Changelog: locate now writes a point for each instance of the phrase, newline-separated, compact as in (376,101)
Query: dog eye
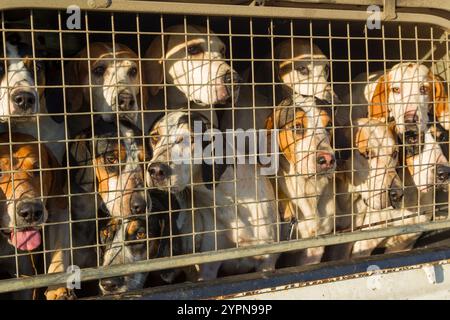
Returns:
(423,90)
(395,89)
(394,154)
(132,72)
(111,158)
(366,154)
(303,70)
(194,49)
(99,71)
(155,139)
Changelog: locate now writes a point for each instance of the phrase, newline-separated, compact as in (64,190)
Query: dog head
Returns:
(195,65)
(373,167)
(178,153)
(24,185)
(425,161)
(304,137)
(137,238)
(406,94)
(115,78)
(112,161)
(21,80)
(304,69)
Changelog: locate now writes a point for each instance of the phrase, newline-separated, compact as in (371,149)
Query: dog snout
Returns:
(31,211)
(23,100)
(325,160)
(442,174)
(111,284)
(138,204)
(396,196)
(232,77)
(125,101)
(159,171)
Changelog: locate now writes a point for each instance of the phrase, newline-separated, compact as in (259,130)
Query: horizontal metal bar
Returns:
(226,10)
(206,257)
(284,279)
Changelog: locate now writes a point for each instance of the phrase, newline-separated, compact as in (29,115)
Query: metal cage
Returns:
(235,39)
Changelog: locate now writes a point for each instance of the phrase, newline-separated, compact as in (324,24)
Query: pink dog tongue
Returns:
(26,240)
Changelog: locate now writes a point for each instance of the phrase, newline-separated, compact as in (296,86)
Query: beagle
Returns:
(222,203)
(407,93)
(34,196)
(136,238)
(115,79)
(190,63)
(306,166)
(115,169)
(23,107)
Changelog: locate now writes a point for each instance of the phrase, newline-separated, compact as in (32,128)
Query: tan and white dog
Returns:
(191,66)
(108,73)
(299,69)
(406,94)
(306,168)
(424,171)
(222,202)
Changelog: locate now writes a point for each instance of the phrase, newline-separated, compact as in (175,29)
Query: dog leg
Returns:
(364,248)
(58,239)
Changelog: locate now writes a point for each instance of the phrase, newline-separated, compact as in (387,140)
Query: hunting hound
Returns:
(406,94)
(115,170)
(229,205)
(110,74)
(23,107)
(191,62)
(34,196)
(424,170)
(136,238)
(306,168)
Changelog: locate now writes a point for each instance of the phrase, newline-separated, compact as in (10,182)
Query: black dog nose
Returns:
(24,100)
(126,101)
(443,173)
(111,284)
(30,211)
(395,195)
(159,171)
(138,205)
(232,77)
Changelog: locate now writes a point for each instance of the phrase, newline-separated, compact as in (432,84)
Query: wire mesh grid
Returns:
(198,147)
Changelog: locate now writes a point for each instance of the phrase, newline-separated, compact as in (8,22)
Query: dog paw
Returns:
(60,294)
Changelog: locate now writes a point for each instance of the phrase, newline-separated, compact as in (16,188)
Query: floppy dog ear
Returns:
(378,103)
(74,96)
(153,69)
(439,106)
(80,155)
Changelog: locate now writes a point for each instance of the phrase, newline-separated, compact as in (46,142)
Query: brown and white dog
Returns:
(190,64)
(115,170)
(115,79)
(222,203)
(407,93)
(306,168)
(34,196)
